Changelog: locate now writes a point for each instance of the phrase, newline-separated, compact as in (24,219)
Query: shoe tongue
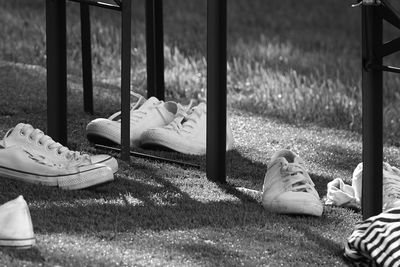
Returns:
(10,137)
(202,107)
(149,103)
(199,109)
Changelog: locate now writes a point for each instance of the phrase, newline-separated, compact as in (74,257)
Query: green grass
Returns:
(299,62)
(292,84)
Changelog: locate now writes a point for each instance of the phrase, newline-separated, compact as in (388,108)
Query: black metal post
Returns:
(372,113)
(155,49)
(126,78)
(216,90)
(86,59)
(56,62)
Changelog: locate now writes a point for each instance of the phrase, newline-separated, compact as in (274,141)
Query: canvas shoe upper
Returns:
(288,189)
(31,139)
(19,163)
(108,130)
(152,113)
(186,134)
(16,228)
(390,185)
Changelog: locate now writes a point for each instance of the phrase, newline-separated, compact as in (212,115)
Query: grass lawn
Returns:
(292,84)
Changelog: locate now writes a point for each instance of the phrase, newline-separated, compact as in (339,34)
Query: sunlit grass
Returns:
(305,69)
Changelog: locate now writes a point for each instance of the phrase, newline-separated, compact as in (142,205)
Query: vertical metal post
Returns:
(86,59)
(155,49)
(126,78)
(216,90)
(372,113)
(56,63)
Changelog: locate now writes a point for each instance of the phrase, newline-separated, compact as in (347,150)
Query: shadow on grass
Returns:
(340,157)
(32,254)
(129,205)
(206,253)
(141,199)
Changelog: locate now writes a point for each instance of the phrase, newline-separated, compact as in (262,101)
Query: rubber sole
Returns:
(24,243)
(71,181)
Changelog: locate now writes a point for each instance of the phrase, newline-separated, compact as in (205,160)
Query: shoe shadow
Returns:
(30,255)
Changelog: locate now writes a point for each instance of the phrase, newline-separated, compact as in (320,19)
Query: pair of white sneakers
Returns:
(159,123)
(27,154)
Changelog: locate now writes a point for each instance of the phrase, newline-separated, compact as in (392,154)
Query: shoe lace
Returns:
(137,116)
(40,138)
(187,121)
(133,106)
(296,178)
(181,116)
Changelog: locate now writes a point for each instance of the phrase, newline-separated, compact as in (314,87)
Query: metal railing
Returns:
(216,71)
(373,13)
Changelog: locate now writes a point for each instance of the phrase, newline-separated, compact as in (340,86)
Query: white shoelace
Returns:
(296,178)
(46,141)
(134,106)
(188,121)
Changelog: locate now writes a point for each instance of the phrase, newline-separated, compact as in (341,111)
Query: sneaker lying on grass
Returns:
(34,140)
(288,189)
(144,114)
(186,134)
(16,228)
(36,158)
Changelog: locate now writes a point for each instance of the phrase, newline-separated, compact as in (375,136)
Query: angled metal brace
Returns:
(389,13)
(388,48)
(99,4)
(371,66)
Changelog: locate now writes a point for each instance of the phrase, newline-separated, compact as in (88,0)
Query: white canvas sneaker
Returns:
(16,228)
(34,140)
(152,113)
(288,189)
(186,134)
(390,185)
(18,163)
(108,131)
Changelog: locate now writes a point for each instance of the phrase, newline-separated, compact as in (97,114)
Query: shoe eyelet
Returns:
(59,152)
(40,143)
(30,137)
(21,133)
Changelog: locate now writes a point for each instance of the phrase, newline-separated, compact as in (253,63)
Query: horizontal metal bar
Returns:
(147,156)
(99,4)
(383,68)
(388,48)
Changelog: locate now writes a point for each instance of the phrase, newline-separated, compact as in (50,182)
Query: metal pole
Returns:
(86,59)
(216,90)
(56,63)
(155,49)
(126,78)
(372,113)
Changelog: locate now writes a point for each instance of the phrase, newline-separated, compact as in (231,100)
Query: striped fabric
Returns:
(376,241)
